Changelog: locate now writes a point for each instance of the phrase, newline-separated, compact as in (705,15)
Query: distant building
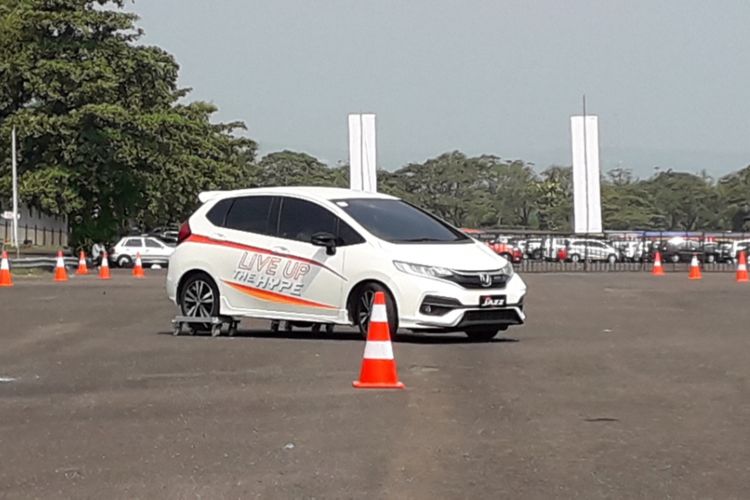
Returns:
(35,228)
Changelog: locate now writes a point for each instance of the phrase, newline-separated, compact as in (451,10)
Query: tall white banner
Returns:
(362,153)
(587,207)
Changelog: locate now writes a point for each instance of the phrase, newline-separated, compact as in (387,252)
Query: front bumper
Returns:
(460,306)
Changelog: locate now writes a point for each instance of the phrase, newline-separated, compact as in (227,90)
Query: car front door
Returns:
(302,278)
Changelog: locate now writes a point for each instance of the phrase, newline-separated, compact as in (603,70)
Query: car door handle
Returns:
(281,249)
(219,236)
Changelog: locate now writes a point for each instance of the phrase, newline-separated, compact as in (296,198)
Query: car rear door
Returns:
(241,231)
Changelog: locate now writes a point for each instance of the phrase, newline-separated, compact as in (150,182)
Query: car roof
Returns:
(311,192)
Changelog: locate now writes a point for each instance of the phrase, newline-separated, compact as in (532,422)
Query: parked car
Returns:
(737,247)
(513,254)
(534,248)
(319,255)
(593,250)
(630,250)
(152,251)
(166,234)
(682,250)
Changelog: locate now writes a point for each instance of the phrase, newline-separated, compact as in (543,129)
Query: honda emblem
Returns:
(485,279)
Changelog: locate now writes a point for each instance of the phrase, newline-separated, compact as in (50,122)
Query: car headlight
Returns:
(507,269)
(420,270)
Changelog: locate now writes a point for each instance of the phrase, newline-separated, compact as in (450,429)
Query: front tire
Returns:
(362,307)
(575,258)
(124,261)
(612,259)
(199,298)
(484,333)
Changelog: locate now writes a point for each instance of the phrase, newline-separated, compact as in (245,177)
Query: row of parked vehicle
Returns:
(675,249)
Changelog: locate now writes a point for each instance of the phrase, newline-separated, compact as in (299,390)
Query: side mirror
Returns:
(325,240)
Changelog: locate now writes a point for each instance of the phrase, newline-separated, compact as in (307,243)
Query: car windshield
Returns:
(396,221)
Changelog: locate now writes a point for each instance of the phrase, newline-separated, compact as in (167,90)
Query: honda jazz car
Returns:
(312,255)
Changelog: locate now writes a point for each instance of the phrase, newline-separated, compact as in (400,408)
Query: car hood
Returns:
(457,256)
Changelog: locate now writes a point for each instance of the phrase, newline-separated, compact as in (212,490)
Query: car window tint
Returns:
(133,242)
(251,214)
(218,213)
(152,244)
(300,219)
(348,236)
(399,222)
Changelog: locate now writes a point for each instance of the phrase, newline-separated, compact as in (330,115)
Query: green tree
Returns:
(554,199)
(289,168)
(734,195)
(685,201)
(102,136)
(626,204)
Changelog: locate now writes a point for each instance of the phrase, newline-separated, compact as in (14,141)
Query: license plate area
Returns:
(490,301)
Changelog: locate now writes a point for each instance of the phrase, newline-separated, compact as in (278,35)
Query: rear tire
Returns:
(199,298)
(361,306)
(575,258)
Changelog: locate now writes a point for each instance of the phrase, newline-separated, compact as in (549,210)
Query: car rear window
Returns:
(251,214)
(218,213)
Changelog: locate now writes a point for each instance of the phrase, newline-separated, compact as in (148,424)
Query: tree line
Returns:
(489,192)
(108,138)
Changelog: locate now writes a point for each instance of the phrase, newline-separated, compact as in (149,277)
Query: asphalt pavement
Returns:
(621,385)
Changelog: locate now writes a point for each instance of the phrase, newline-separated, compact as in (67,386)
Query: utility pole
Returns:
(15,192)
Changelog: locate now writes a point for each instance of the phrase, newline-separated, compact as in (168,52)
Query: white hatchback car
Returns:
(151,250)
(313,255)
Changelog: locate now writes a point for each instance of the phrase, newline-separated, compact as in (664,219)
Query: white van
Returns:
(318,255)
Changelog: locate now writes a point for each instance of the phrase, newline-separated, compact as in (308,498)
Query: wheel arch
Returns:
(354,289)
(186,275)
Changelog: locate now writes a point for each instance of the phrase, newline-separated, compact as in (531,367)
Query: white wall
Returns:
(39,228)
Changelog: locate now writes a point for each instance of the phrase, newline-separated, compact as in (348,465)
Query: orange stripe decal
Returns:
(279,298)
(196,238)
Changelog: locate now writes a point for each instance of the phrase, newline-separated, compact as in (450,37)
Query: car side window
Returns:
(133,242)
(153,244)
(218,213)
(251,214)
(300,219)
(348,236)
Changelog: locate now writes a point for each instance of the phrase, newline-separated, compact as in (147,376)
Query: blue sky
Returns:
(668,79)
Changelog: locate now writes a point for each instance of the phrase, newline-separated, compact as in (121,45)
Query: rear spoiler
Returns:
(209,195)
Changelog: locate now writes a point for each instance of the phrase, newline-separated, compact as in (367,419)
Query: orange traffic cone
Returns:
(378,366)
(658,269)
(5,277)
(138,267)
(61,274)
(742,268)
(104,268)
(695,269)
(82,268)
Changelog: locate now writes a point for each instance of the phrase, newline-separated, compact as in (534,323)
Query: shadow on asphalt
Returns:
(404,338)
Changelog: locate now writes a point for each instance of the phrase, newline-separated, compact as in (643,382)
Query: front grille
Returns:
(474,280)
(507,316)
